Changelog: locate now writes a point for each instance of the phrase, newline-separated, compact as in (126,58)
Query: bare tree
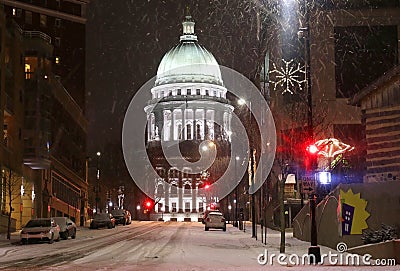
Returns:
(13,191)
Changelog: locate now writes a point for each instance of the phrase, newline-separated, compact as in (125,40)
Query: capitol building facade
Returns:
(188,107)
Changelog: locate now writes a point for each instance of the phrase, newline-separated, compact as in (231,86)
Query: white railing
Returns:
(37,34)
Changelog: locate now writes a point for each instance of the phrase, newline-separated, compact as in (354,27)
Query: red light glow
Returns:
(312,149)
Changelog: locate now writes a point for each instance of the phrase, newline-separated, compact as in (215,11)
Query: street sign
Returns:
(307,185)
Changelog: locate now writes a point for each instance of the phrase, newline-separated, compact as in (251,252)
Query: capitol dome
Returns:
(188,61)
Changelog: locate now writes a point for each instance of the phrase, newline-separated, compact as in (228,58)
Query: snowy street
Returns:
(157,246)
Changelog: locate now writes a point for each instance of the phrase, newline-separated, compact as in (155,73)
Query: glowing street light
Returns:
(98,181)
(241,102)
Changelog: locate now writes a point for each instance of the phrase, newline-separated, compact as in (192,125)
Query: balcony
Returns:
(36,158)
(37,35)
(38,41)
(186,98)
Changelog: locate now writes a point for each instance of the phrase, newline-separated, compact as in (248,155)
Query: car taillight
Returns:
(222,219)
(208,219)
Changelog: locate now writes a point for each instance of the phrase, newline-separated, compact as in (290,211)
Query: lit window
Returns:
(14,11)
(201,207)
(43,20)
(174,207)
(27,71)
(187,207)
(31,64)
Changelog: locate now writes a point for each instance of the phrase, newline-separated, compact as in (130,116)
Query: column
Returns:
(194,194)
(171,126)
(180,196)
(148,127)
(167,191)
(184,132)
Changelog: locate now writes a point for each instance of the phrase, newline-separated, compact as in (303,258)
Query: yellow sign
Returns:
(360,215)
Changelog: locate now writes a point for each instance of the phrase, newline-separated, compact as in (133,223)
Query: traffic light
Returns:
(312,149)
(148,205)
(206,186)
(311,155)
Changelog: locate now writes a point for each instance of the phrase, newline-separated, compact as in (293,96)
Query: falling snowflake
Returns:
(288,76)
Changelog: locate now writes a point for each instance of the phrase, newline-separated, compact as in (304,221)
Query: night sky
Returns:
(126,40)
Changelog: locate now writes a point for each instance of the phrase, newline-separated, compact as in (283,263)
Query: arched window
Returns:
(152,126)
(160,191)
(179,131)
(188,189)
(189,131)
(198,131)
(174,190)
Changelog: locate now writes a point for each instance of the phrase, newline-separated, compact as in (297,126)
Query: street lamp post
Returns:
(251,173)
(110,206)
(282,180)
(137,211)
(304,32)
(253,198)
(98,181)
(236,194)
(229,212)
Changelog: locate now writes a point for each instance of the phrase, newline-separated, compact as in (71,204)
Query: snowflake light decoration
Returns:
(288,76)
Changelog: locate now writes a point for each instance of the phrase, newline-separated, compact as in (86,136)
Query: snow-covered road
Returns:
(156,246)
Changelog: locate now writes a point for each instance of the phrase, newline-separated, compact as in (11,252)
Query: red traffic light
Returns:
(147,204)
(206,186)
(312,149)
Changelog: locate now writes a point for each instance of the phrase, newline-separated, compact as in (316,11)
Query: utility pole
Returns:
(314,249)
(282,181)
(253,198)
(97,187)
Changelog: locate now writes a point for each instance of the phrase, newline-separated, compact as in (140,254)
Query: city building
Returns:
(64,21)
(188,106)
(16,189)
(380,105)
(48,101)
(356,79)
(347,46)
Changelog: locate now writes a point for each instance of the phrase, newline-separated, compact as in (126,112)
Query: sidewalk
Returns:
(13,240)
(294,246)
(273,240)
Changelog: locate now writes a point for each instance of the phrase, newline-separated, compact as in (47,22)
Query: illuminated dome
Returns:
(188,61)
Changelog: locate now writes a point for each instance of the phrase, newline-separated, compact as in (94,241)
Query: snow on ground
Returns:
(177,246)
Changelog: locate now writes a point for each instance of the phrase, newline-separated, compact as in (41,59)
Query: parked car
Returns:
(67,227)
(205,214)
(215,220)
(102,220)
(40,229)
(122,216)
